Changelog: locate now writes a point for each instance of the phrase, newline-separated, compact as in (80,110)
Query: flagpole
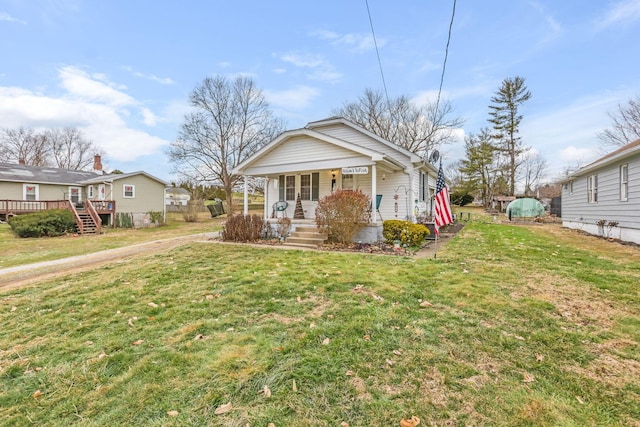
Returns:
(435,253)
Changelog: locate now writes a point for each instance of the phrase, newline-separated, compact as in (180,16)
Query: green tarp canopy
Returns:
(525,208)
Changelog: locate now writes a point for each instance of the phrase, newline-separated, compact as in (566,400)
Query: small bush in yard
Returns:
(241,228)
(343,214)
(51,223)
(406,232)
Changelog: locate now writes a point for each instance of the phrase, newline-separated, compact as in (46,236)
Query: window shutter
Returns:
(281,187)
(315,186)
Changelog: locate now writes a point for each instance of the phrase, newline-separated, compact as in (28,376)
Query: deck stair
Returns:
(307,236)
(89,226)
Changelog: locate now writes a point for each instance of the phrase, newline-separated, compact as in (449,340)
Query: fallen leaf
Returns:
(344,424)
(349,373)
(153,304)
(230,329)
(173,413)
(14,308)
(367,337)
(223,409)
(294,386)
(539,357)
(102,355)
(267,391)
(312,325)
(299,299)
(199,337)
(518,337)
(271,425)
(411,422)
(36,394)
(426,304)
(389,362)
(209,297)
(88,342)
(579,399)
(326,341)
(397,352)
(131,320)
(528,378)
(138,342)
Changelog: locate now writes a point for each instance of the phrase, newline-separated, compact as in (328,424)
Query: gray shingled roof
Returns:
(43,175)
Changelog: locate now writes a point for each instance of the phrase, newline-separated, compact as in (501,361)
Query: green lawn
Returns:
(18,251)
(510,325)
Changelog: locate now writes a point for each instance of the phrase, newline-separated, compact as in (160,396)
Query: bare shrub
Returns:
(190,211)
(241,228)
(343,214)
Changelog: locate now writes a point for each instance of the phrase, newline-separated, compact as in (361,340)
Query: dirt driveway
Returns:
(14,277)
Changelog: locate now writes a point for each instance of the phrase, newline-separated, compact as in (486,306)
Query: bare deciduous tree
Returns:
(419,129)
(533,168)
(65,148)
(24,145)
(230,121)
(70,149)
(625,126)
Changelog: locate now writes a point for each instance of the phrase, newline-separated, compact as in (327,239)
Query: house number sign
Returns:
(358,170)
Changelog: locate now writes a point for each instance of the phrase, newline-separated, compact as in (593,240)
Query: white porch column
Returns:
(374,192)
(266,197)
(246,196)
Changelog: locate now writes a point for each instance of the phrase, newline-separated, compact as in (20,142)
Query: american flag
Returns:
(443,208)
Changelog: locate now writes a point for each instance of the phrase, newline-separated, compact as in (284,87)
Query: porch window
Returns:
(128,191)
(315,186)
(592,188)
(624,183)
(74,194)
(424,187)
(347,181)
(305,187)
(90,192)
(290,187)
(30,192)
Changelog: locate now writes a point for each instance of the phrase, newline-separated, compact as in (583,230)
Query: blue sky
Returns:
(121,71)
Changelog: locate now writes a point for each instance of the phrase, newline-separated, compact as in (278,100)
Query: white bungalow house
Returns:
(603,198)
(335,154)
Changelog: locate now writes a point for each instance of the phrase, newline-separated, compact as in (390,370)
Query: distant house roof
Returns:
(177,191)
(43,175)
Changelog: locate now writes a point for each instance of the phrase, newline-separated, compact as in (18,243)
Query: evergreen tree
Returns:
(479,166)
(506,120)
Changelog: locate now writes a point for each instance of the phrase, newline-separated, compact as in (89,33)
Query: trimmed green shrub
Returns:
(343,214)
(50,223)
(406,232)
(240,228)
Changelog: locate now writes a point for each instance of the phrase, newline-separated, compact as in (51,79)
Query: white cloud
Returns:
(320,68)
(623,12)
(296,98)
(89,103)
(577,156)
(152,77)
(8,18)
(358,42)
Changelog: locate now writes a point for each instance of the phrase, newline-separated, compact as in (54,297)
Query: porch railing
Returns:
(16,207)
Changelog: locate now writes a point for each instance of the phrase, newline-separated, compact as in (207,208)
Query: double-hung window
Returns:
(592,188)
(624,182)
(128,191)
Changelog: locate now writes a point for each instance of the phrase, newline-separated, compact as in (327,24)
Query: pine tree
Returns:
(506,122)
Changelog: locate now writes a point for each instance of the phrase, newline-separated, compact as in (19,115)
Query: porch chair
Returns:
(280,206)
(378,200)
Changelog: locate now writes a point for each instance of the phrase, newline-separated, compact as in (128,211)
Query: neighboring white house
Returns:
(603,198)
(176,196)
(335,154)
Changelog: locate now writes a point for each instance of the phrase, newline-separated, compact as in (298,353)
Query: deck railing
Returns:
(17,207)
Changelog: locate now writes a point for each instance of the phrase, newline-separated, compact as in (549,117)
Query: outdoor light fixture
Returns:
(333,173)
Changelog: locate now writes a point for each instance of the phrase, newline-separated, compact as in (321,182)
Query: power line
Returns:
(446,55)
(384,84)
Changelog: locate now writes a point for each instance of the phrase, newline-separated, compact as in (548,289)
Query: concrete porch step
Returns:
(306,236)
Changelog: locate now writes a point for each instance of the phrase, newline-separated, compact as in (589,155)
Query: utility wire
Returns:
(384,84)
(446,55)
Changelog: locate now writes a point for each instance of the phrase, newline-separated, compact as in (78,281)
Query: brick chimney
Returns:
(97,163)
(21,161)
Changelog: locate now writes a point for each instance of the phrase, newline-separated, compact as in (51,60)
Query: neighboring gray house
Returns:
(603,198)
(95,198)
